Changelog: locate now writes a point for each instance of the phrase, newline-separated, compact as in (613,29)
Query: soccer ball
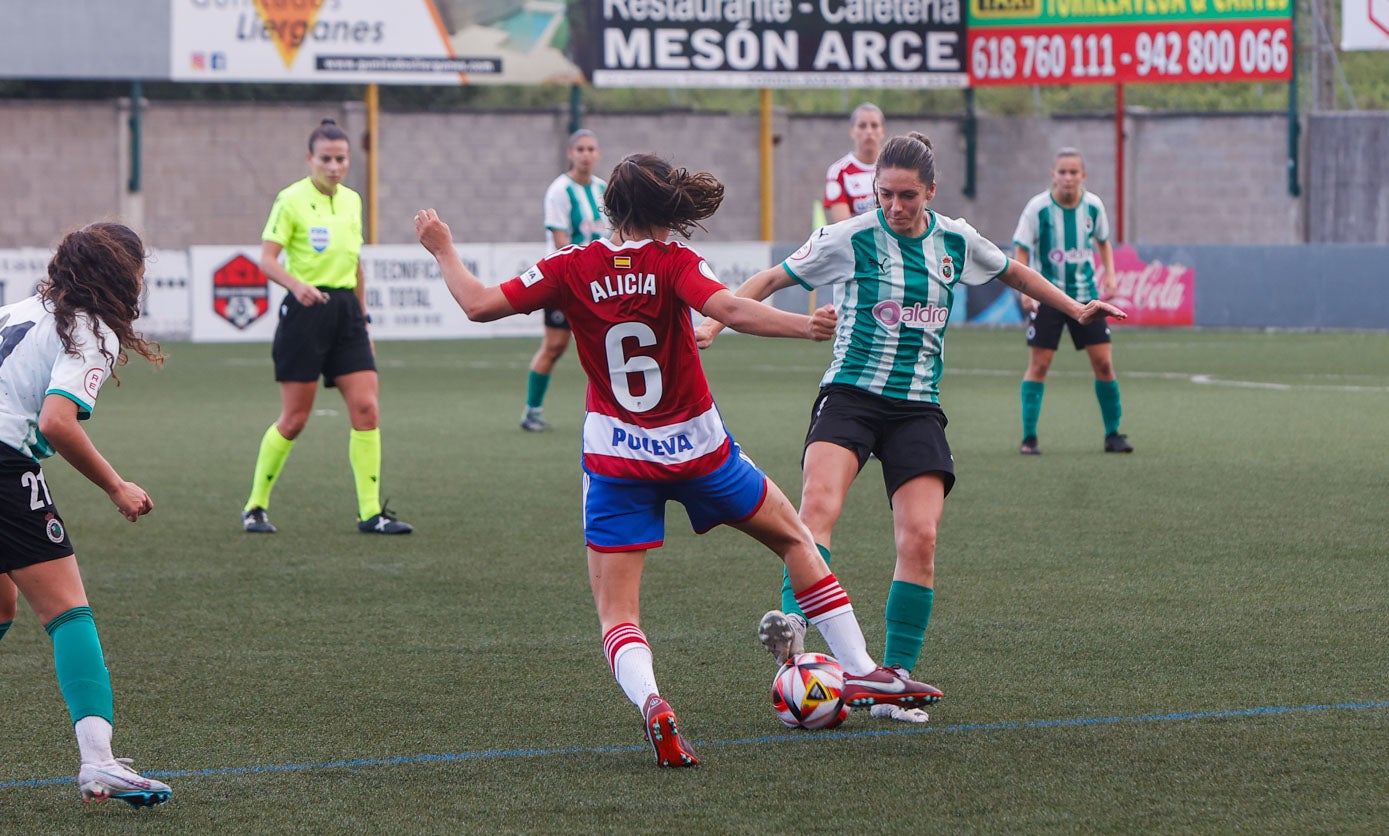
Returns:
(808,692)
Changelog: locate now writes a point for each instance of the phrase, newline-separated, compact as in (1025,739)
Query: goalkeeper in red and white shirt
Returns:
(653,432)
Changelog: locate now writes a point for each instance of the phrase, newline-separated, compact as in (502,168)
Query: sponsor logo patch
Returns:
(91,381)
(240,292)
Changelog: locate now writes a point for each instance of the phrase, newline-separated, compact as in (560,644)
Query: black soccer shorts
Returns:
(328,339)
(908,437)
(30,529)
(1044,330)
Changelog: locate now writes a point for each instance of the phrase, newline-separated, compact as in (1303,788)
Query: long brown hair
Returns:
(644,192)
(96,271)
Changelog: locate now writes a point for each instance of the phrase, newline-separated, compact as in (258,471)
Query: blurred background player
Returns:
(60,346)
(317,223)
(849,180)
(898,267)
(652,432)
(573,215)
(1059,233)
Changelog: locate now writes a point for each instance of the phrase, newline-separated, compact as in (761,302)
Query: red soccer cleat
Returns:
(670,748)
(888,686)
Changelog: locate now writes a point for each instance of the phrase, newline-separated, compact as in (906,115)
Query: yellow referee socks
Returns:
(364,451)
(274,449)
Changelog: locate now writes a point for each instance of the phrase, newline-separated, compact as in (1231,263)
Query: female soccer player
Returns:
(57,348)
(317,223)
(899,266)
(653,433)
(573,215)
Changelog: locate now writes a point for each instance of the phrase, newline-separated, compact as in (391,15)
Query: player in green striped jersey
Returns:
(898,268)
(1062,230)
(573,215)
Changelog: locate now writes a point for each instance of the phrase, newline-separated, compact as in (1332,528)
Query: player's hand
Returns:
(1028,304)
(307,294)
(822,323)
(131,500)
(1095,309)
(706,332)
(433,233)
(1108,285)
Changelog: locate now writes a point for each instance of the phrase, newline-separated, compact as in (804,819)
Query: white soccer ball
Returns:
(808,692)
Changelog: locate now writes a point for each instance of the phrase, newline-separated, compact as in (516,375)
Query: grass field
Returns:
(1188,639)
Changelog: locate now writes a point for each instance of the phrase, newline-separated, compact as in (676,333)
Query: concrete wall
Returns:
(1348,161)
(210,170)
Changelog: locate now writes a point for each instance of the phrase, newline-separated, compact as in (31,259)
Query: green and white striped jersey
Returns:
(1060,242)
(576,210)
(894,303)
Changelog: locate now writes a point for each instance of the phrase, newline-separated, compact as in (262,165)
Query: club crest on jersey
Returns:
(319,238)
(53,527)
(240,292)
(91,381)
(623,284)
(891,314)
(947,267)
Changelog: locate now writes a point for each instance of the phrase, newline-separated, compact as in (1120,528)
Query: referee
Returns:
(317,223)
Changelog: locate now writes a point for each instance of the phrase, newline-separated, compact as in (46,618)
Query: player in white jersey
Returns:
(653,433)
(898,269)
(849,179)
(57,348)
(573,215)
(1061,230)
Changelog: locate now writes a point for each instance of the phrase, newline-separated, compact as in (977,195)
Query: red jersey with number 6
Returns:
(650,412)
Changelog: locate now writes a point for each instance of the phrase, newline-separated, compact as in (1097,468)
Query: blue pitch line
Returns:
(775,738)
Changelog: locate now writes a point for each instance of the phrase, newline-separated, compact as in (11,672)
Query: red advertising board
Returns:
(1153,293)
(1164,51)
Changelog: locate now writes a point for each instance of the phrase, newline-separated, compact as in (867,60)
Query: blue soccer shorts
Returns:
(625,515)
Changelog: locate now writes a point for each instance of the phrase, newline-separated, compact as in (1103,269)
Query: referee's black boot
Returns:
(384,522)
(256,522)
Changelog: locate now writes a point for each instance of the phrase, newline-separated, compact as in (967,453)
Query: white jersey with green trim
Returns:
(1061,242)
(894,297)
(576,210)
(34,365)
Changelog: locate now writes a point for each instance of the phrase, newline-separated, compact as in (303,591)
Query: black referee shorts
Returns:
(908,437)
(30,529)
(328,339)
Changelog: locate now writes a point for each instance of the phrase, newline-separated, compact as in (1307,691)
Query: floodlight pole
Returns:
(373,102)
(1119,163)
(767,165)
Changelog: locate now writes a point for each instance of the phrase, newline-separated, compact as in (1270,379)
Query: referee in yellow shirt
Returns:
(317,223)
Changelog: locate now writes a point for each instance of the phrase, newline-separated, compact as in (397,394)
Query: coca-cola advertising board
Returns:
(1153,293)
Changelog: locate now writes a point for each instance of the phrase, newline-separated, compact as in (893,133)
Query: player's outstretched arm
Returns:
(1029,282)
(58,424)
(758,287)
(478,301)
(749,317)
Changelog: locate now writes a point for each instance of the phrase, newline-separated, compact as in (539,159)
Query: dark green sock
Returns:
(908,613)
(536,385)
(1107,391)
(788,597)
(81,668)
(5,628)
(1032,392)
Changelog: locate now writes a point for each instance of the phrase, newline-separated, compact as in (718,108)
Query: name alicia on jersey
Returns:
(623,284)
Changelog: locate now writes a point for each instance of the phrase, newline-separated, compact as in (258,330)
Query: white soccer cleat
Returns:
(885,711)
(783,635)
(115,779)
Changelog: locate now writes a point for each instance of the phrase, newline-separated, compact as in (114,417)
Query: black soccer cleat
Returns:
(384,522)
(1029,446)
(256,522)
(1117,443)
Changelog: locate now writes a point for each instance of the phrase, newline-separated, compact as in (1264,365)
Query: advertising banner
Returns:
(232,300)
(784,43)
(1153,293)
(1129,41)
(418,42)
(1364,24)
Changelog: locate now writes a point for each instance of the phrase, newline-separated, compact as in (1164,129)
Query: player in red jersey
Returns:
(653,432)
(849,180)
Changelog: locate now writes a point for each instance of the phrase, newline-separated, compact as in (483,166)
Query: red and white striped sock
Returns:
(826,605)
(629,656)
